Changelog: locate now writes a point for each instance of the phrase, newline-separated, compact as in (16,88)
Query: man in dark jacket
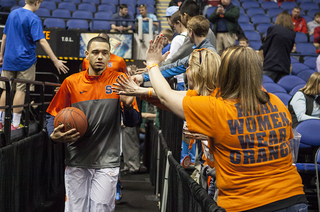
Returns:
(225,20)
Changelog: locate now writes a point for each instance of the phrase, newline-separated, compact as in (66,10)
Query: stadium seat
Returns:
(76,24)
(252,35)
(293,60)
(297,67)
(74,1)
(316,1)
(289,81)
(61,13)
(132,9)
(273,20)
(7,3)
(50,5)
(250,4)
(43,12)
(246,26)
(255,44)
(242,11)
(115,2)
(300,1)
(87,6)
(84,14)
(306,48)
(301,37)
(96,2)
(284,97)
(267,5)
(133,2)
(57,1)
(67,5)
(296,88)
(305,74)
(54,23)
(259,19)
(307,18)
(311,38)
(263,28)
(100,25)
(312,12)
(150,2)
(242,18)
(272,87)
(288,5)
(255,11)
(210,10)
(274,12)
(267,79)
(309,6)
(311,62)
(104,15)
(17,7)
(107,7)
(21,2)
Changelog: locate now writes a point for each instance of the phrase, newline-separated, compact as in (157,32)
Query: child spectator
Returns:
(243,41)
(168,35)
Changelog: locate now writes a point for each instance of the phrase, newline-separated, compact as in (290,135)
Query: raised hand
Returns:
(59,64)
(126,86)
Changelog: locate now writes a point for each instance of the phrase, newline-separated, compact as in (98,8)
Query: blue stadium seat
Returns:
(74,1)
(77,24)
(21,2)
(272,87)
(293,60)
(252,35)
(267,79)
(67,5)
(288,5)
(307,18)
(263,28)
(42,12)
(104,15)
(250,4)
(296,88)
(100,25)
(132,9)
(107,7)
(273,20)
(235,3)
(114,2)
(151,2)
(297,67)
(290,81)
(305,74)
(267,5)
(15,7)
(309,6)
(133,2)
(242,18)
(306,48)
(311,62)
(259,19)
(50,5)
(255,44)
(274,12)
(316,1)
(7,3)
(312,12)
(300,1)
(284,97)
(84,14)
(61,13)
(56,1)
(301,37)
(210,10)
(255,11)
(87,6)
(246,26)
(96,2)
(54,23)
(242,11)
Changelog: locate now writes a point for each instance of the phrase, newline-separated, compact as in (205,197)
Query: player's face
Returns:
(98,56)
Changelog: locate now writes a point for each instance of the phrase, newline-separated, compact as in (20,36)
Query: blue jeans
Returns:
(301,207)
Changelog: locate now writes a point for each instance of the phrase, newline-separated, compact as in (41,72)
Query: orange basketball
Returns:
(71,117)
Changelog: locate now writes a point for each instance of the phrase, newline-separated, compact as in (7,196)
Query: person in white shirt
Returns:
(313,24)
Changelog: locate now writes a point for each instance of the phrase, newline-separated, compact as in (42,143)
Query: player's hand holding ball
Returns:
(64,137)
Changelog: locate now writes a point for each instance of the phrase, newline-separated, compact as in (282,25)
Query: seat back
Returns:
(242,18)
(306,48)
(77,24)
(106,15)
(255,11)
(289,81)
(100,25)
(297,67)
(250,4)
(54,23)
(311,62)
(284,97)
(269,5)
(50,5)
(107,7)
(296,88)
(301,37)
(272,87)
(288,5)
(67,5)
(87,6)
(61,13)
(305,74)
(84,14)
(42,12)
(310,133)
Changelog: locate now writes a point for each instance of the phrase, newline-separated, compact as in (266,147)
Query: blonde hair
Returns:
(240,78)
(284,19)
(311,87)
(204,75)
(199,25)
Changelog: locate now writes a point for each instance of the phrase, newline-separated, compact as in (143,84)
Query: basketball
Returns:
(71,117)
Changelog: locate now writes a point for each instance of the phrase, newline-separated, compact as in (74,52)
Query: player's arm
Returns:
(3,44)
(59,64)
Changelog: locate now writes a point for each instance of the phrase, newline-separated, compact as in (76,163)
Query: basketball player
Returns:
(92,161)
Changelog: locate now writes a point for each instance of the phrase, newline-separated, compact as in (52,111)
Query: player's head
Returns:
(312,87)
(240,77)
(202,70)
(243,41)
(284,19)
(98,54)
(198,26)
(188,9)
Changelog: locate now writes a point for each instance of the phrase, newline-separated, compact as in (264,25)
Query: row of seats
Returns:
(76,24)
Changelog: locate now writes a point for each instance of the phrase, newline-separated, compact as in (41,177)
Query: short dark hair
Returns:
(243,38)
(297,7)
(121,6)
(189,7)
(317,14)
(175,17)
(97,39)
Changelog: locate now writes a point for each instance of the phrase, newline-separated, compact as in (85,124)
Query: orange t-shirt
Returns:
(115,63)
(252,154)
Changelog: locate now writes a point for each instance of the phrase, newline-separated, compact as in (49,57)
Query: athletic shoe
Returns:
(15,128)
(119,191)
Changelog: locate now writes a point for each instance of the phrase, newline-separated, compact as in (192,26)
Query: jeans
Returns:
(301,207)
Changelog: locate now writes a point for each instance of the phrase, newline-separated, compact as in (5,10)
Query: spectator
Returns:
(313,24)
(145,16)
(243,41)
(225,20)
(277,47)
(123,25)
(22,31)
(169,13)
(168,34)
(210,3)
(300,24)
(304,104)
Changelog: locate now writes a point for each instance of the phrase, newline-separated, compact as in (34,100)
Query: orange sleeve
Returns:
(123,66)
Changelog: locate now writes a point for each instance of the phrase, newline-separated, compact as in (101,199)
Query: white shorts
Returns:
(90,190)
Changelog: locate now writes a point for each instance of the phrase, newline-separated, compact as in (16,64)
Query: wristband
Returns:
(153,65)
(150,92)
